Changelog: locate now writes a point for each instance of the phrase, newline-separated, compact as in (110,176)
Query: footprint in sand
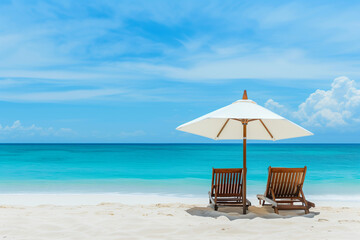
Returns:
(348,221)
(323,220)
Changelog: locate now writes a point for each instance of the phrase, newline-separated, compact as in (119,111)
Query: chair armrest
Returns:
(262,197)
(210,198)
(311,204)
(215,191)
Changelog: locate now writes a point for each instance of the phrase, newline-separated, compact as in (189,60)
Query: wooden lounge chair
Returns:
(284,190)
(226,188)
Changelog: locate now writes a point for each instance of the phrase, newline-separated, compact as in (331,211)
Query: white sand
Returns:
(22,218)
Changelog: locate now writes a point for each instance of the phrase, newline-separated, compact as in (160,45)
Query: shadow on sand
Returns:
(233,213)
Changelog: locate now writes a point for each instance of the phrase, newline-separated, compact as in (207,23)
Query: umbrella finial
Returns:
(245,95)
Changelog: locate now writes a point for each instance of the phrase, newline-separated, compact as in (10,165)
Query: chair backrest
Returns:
(228,181)
(285,182)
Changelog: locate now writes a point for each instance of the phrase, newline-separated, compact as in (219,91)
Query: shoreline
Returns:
(69,199)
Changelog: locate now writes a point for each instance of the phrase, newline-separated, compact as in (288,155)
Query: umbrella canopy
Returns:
(244,119)
(226,123)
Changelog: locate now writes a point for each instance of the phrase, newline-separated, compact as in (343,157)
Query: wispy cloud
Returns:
(117,41)
(58,96)
(17,129)
(276,107)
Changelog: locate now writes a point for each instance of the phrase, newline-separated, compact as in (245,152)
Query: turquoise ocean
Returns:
(174,169)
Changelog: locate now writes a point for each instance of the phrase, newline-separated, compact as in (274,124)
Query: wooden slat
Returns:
(222,183)
(287,179)
(238,182)
(293,184)
(271,183)
(276,180)
(227,170)
(228,183)
(273,169)
(212,181)
(276,185)
(225,182)
(304,173)
(291,207)
(268,182)
(233,183)
(281,184)
(283,176)
(288,190)
(301,178)
(289,184)
(297,180)
(217,180)
(291,179)
(219,183)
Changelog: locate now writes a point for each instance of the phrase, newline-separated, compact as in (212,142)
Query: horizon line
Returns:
(214,143)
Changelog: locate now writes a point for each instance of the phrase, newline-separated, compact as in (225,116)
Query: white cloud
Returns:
(58,95)
(339,106)
(335,107)
(276,107)
(17,129)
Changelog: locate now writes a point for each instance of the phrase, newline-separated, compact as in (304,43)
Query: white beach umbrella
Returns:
(244,119)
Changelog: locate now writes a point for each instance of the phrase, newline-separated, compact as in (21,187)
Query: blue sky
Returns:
(132,71)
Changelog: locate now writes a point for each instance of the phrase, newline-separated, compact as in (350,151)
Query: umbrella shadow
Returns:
(234,213)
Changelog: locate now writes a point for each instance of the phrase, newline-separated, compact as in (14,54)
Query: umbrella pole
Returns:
(244,168)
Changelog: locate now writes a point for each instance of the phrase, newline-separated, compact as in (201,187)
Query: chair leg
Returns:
(305,203)
(216,207)
(276,210)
